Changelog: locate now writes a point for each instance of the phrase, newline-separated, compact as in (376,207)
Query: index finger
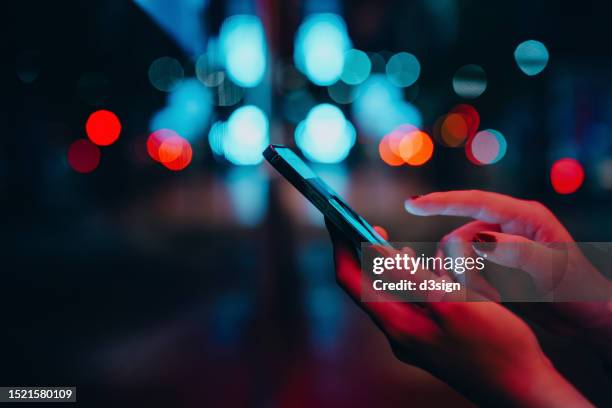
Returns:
(481,205)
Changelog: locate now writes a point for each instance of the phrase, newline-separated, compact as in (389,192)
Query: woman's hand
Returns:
(480,348)
(523,234)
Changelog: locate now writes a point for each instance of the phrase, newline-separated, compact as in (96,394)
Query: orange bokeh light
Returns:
(386,154)
(454,129)
(103,127)
(416,148)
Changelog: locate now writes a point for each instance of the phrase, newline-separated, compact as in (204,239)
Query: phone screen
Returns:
(293,168)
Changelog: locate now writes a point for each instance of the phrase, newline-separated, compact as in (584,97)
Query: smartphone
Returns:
(351,224)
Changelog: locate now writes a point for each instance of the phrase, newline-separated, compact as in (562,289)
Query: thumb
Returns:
(545,264)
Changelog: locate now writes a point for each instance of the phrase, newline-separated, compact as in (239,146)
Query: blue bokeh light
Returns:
(243,47)
(379,108)
(403,69)
(357,67)
(320,44)
(217,133)
(247,136)
(531,57)
(503,144)
(188,110)
(325,136)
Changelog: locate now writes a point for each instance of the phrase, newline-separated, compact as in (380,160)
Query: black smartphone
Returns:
(352,225)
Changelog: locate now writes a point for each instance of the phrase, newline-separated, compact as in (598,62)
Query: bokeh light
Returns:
(209,70)
(379,108)
(320,44)
(357,67)
(165,73)
(217,133)
(243,46)
(188,110)
(470,81)
(247,136)
(387,154)
(168,148)
(403,69)
(103,127)
(342,93)
(325,136)
(453,129)
(470,116)
(604,173)
(83,156)
(486,147)
(416,148)
(175,153)
(406,145)
(378,62)
(155,140)
(566,175)
(531,57)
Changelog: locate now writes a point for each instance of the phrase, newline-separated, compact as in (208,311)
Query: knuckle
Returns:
(537,206)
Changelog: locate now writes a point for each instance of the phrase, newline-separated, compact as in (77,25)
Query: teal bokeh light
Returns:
(165,73)
(188,110)
(243,47)
(357,67)
(325,136)
(247,136)
(531,57)
(470,81)
(379,107)
(320,44)
(403,69)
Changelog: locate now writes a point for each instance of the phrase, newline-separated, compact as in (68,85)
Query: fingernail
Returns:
(484,242)
(409,201)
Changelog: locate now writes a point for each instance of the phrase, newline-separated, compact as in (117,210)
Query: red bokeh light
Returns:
(103,127)
(566,175)
(170,149)
(454,129)
(175,153)
(470,116)
(155,140)
(83,156)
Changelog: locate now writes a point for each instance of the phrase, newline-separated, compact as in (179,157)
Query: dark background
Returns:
(144,286)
